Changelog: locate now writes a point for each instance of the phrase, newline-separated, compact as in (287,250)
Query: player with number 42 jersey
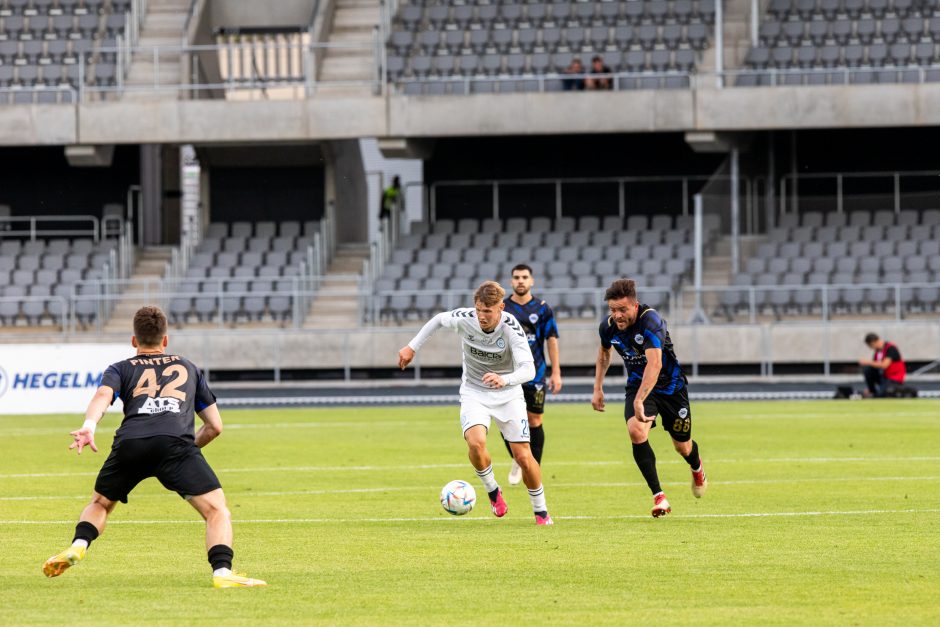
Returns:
(162,394)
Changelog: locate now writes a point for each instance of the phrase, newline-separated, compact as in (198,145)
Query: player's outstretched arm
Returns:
(554,380)
(600,371)
(407,353)
(211,425)
(85,436)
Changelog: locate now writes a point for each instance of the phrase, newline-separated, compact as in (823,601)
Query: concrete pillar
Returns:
(172,195)
(151,185)
(347,191)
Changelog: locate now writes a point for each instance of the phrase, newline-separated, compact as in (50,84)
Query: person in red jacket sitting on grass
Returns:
(884,370)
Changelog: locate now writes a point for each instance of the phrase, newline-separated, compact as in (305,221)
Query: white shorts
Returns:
(511,418)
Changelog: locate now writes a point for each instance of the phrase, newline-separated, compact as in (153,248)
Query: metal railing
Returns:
(684,184)
(821,302)
(91,303)
(795,77)
(39,226)
(789,196)
(574,302)
(552,81)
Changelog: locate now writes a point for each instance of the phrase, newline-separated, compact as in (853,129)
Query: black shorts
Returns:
(176,462)
(673,408)
(534,398)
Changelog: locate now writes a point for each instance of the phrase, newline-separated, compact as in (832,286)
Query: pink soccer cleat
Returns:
(699,482)
(660,505)
(499,505)
(544,520)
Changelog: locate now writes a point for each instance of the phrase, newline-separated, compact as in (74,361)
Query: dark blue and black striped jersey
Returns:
(161,395)
(538,322)
(649,331)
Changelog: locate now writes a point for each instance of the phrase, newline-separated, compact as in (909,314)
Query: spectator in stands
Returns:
(574,84)
(392,199)
(885,371)
(604,80)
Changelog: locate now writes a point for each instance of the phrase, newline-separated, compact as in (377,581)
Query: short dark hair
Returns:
(871,337)
(521,266)
(597,58)
(621,288)
(149,326)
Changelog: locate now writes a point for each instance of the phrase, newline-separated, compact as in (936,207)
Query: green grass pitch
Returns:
(817,513)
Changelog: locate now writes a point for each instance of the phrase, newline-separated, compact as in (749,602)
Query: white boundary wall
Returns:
(54,378)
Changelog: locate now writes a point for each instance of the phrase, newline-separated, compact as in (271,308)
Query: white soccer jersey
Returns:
(505,351)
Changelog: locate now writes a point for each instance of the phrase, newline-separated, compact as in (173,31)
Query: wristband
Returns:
(90,425)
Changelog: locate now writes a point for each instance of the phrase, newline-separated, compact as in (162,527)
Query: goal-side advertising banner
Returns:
(54,378)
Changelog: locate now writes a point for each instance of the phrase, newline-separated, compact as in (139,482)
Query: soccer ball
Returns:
(458,497)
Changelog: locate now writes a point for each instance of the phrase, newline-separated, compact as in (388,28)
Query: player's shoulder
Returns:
(606,325)
(463,313)
(650,316)
(512,323)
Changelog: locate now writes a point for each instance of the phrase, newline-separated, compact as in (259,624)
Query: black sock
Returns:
(646,460)
(220,556)
(537,442)
(508,448)
(493,495)
(692,457)
(85,531)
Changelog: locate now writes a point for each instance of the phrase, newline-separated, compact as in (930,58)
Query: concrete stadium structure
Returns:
(305,76)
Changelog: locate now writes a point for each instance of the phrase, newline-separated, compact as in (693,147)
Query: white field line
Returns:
(232,495)
(711,461)
(20,430)
(488,519)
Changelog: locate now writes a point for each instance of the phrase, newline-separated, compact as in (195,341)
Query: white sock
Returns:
(488,479)
(221,572)
(80,543)
(538,499)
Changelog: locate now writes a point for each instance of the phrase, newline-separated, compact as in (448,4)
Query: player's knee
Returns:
(103,502)
(683,448)
(523,457)
(476,446)
(637,433)
(218,511)
(535,420)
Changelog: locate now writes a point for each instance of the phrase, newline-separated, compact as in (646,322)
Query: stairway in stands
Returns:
(336,305)
(353,24)
(163,27)
(150,266)
(737,15)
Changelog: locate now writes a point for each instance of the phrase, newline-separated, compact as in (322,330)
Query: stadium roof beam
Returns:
(404,148)
(83,155)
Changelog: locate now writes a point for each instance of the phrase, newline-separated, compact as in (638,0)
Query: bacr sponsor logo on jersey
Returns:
(160,405)
(476,352)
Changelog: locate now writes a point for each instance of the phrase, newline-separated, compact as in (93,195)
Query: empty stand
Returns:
(834,42)
(47,47)
(572,259)
(859,258)
(244,271)
(38,279)
(452,48)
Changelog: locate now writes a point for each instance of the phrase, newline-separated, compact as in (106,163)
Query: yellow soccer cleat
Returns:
(58,564)
(236,581)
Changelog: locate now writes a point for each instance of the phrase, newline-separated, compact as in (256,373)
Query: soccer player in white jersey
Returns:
(496,361)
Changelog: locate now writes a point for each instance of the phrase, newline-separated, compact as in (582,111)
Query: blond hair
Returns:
(490,293)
